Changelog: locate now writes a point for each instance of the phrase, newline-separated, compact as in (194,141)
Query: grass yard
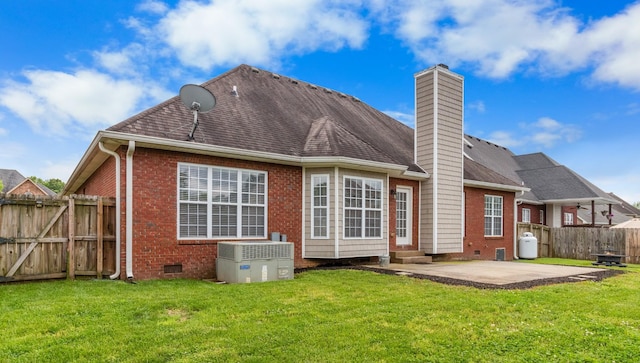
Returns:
(320,316)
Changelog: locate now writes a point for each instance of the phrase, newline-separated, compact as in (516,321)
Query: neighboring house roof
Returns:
(626,208)
(622,213)
(631,223)
(13,180)
(10,179)
(549,181)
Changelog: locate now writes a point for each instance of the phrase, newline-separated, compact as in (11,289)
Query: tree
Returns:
(54,184)
(636,204)
(1,186)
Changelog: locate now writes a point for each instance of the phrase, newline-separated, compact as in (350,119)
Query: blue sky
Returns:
(560,77)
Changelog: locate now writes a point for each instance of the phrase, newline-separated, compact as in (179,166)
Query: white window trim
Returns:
(209,203)
(314,208)
(568,219)
(364,209)
(526,212)
(493,217)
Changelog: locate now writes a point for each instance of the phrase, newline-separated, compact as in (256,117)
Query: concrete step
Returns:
(400,254)
(408,257)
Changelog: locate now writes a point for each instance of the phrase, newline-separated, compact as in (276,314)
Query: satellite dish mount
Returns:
(197,99)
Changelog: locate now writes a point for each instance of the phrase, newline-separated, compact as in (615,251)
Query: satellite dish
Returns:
(197,99)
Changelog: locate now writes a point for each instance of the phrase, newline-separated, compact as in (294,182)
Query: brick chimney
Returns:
(438,150)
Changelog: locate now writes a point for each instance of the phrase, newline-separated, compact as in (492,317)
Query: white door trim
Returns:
(404,215)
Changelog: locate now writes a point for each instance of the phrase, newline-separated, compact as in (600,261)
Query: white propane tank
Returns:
(528,246)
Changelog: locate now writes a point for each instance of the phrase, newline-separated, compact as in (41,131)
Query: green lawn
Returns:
(320,316)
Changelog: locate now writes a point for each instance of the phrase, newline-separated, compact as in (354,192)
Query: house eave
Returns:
(529,201)
(494,186)
(93,157)
(586,201)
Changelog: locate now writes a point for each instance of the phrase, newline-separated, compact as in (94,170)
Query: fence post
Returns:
(71,266)
(100,236)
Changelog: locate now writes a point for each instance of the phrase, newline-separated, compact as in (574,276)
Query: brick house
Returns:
(341,179)
(15,183)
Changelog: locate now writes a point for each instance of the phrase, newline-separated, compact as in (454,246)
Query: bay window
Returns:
(320,206)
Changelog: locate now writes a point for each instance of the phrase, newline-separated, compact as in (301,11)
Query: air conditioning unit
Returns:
(256,261)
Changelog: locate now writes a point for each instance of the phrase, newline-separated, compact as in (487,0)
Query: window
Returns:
(492,215)
(568,219)
(362,208)
(541,216)
(216,202)
(320,206)
(526,215)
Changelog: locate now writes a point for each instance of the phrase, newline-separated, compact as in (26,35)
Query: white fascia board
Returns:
(236,153)
(416,175)
(494,186)
(152,142)
(527,201)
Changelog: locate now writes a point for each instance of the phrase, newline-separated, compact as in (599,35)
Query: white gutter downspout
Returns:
(117,159)
(129,210)
(515,229)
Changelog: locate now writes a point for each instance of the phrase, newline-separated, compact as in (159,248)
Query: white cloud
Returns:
(406,118)
(501,37)
(545,132)
(504,138)
(55,102)
(229,32)
(3,132)
(478,106)
(60,169)
(153,7)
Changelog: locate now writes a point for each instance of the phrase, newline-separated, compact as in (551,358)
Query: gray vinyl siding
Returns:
(319,247)
(347,248)
(442,193)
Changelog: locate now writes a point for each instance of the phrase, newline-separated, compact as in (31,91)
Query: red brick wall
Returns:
(103,181)
(393,183)
(476,245)
(155,242)
(28,187)
(535,212)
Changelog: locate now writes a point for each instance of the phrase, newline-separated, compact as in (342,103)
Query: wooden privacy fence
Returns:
(542,233)
(56,237)
(582,242)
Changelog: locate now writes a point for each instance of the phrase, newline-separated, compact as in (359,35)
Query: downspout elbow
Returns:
(116,157)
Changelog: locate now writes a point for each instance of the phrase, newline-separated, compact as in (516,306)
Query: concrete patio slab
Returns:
(495,272)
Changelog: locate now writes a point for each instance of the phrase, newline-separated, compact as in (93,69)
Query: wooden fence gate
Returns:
(48,238)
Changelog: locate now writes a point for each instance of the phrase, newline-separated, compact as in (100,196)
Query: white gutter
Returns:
(494,186)
(117,159)
(129,209)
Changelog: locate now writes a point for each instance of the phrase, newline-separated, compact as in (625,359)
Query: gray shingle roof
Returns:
(281,115)
(10,178)
(548,179)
